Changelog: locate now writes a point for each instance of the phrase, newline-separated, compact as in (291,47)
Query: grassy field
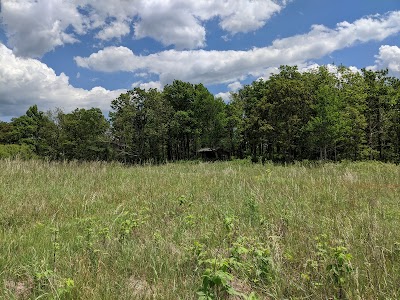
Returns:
(229,230)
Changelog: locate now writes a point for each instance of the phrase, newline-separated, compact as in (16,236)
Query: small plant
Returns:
(104,234)
(56,245)
(66,288)
(217,279)
(127,222)
(340,268)
(255,260)
(89,240)
(252,210)
(47,280)
(197,252)
(189,221)
(230,226)
(332,264)
(43,281)
(252,296)
(184,201)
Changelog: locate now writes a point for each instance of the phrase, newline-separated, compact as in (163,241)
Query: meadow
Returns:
(194,230)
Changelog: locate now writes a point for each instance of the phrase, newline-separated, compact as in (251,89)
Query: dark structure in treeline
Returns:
(210,154)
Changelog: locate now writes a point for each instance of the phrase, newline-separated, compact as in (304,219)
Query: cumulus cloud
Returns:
(212,67)
(148,85)
(27,81)
(245,16)
(226,96)
(170,24)
(111,59)
(113,30)
(35,27)
(180,22)
(234,86)
(388,57)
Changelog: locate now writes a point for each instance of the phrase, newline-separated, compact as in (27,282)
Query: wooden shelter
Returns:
(210,154)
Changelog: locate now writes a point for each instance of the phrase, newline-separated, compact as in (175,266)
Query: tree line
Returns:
(293,115)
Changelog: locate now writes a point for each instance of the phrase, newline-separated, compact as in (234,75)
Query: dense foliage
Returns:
(318,114)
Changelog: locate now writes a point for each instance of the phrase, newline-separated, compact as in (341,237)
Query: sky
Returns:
(84,53)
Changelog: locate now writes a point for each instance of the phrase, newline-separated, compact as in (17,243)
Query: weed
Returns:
(332,264)
(252,211)
(256,260)
(127,222)
(56,245)
(230,224)
(183,200)
(340,268)
(216,279)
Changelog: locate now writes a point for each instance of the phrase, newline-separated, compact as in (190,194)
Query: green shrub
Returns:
(16,151)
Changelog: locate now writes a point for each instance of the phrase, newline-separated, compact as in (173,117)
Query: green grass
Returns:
(105,231)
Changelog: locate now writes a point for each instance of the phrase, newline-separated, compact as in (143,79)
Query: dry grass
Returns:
(126,232)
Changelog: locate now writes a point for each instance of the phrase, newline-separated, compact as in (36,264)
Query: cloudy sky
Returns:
(84,53)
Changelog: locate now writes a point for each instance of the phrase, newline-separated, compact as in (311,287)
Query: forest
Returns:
(291,116)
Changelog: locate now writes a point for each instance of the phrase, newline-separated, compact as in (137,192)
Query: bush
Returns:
(16,151)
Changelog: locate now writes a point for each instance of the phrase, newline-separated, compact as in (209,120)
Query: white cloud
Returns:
(112,59)
(310,67)
(210,67)
(388,57)
(114,30)
(234,86)
(27,81)
(245,16)
(225,96)
(35,27)
(180,22)
(148,85)
(170,25)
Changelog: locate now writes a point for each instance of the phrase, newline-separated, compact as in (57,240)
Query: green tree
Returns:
(393,121)
(158,114)
(139,121)
(6,130)
(182,133)
(234,127)
(326,126)
(378,102)
(251,104)
(352,92)
(83,135)
(37,130)
(198,119)
(209,117)
(290,98)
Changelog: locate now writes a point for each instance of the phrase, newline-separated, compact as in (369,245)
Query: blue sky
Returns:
(84,53)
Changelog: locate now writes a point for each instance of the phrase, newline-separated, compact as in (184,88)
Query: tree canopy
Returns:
(292,115)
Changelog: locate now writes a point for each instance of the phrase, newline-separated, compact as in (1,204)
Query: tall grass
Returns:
(106,231)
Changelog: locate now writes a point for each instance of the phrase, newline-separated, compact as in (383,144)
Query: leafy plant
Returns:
(332,264)
(66,288)
(340,267)
(230,224)
(255,260)
(127,222)
(252,210)
(217,279)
